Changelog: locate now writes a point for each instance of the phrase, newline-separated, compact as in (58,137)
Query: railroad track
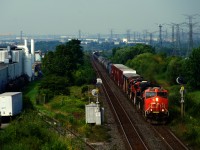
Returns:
(169,138)
(132,137)
(56,125)
(153,137)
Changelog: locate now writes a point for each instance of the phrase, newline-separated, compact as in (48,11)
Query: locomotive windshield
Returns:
(162,94)
(150,94)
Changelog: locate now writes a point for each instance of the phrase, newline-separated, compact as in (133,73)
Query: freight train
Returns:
(147,97)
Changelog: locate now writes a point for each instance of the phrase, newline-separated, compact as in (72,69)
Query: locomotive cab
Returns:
(156,103)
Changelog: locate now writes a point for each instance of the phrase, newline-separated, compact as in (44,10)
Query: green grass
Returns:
(196,96)
(70,111)
(29,132)
(188,127)
(31,90)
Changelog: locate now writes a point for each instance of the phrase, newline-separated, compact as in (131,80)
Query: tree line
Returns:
(65,67)
(152,65)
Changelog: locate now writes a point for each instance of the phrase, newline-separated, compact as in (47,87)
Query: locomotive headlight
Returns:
(163,110)
(156,99)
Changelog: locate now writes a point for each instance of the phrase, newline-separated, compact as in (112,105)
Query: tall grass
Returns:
(29,132)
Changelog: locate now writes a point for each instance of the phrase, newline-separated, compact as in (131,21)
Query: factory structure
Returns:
(16,61)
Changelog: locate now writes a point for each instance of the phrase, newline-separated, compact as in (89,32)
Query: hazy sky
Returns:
(92,16)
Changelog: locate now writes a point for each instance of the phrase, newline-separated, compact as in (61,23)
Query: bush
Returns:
(27,104)
(84,89)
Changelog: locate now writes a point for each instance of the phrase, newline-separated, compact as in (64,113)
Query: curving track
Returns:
(137,133)
(169,138)
(62,131)
(132,137)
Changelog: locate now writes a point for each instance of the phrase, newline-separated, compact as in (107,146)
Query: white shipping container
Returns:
(10,103)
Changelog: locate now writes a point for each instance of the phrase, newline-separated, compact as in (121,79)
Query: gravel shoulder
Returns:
(116,141)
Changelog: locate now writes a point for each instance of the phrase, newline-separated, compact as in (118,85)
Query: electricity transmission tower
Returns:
(176,40)
(190,33)
(151,37)
(128,35)
(111,34)
(160,35)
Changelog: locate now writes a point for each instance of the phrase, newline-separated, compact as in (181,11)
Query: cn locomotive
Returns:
(147,97)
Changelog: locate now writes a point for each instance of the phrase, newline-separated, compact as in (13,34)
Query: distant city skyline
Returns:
(69,17)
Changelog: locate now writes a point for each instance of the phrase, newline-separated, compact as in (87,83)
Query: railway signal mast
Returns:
(180,81)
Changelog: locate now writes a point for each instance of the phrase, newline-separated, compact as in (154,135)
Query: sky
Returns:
(67,17)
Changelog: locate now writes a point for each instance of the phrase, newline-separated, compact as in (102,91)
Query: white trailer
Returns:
(10,103)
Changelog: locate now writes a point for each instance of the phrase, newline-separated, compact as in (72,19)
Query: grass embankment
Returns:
(68,110)
(188,127)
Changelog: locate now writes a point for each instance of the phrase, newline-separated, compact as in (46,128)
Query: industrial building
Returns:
(16,61)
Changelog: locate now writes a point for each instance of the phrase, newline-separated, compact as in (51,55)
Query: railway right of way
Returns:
(137,133)
(131,136)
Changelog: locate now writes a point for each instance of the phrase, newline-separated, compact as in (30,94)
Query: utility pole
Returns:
(160,34)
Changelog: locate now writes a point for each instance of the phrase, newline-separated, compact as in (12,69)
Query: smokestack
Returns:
(25,42)
(9,54)
(32,51)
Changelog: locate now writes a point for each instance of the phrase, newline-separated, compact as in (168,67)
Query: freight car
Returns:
(149,98)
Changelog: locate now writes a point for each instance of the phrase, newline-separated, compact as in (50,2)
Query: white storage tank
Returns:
(10,103)
(15,56)
(3,55)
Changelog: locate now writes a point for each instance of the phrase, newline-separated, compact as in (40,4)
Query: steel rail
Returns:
(123,127)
